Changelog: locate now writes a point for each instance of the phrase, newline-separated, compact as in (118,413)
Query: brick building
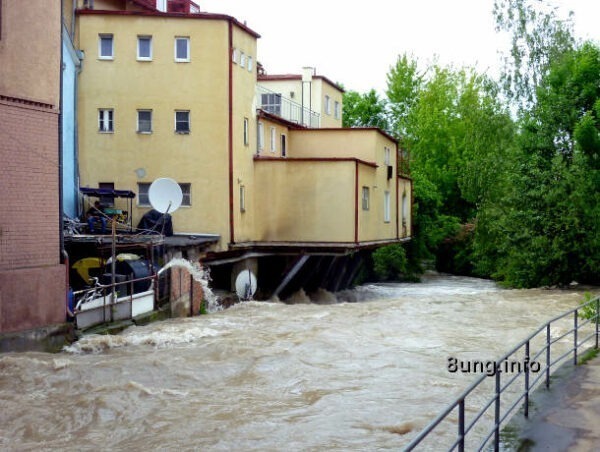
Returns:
(32,279)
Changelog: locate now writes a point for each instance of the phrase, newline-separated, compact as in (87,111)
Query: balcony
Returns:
(174,6)
(276,104)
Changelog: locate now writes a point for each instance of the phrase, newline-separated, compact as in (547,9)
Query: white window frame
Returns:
(102,36)
(365,198)
(144,58)
(327,105)
(186,190)
(273,139)
(246,132)
(261,137)
(242,198)
(387,204)
(106,120)
(387,155)
(189,122)
(249,65)
(143,189)
(138,121)
(336,110)
(187,59)
(234,55)
(242,59)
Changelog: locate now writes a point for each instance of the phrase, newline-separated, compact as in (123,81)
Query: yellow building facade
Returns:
(179,109)
(263,160)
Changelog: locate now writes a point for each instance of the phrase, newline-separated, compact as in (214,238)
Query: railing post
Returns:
(497,411)
(526,407)
(575,337)
(597,316)
(547,356)
(461,425)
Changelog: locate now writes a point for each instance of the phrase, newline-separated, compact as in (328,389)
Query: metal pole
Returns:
(597,316)
(113,295)
(497,412)
(461,425)
(526,407)
(191,295)
(547,356)
(575,337)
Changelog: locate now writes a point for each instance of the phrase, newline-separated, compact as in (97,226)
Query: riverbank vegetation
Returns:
(506,172)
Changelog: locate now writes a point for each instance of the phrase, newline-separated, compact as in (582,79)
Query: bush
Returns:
(389,262)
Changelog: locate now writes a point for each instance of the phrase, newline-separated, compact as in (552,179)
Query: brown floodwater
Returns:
(324,375)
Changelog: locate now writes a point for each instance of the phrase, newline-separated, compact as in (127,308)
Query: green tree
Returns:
(538,37)
(364,110)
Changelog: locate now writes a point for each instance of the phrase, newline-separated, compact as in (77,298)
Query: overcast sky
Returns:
(355,43)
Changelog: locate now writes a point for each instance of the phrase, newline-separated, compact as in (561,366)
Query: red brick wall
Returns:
(29,217)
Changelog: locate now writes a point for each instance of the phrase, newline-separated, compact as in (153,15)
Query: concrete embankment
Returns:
(566,416)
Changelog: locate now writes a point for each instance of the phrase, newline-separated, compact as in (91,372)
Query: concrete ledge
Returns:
(50,338)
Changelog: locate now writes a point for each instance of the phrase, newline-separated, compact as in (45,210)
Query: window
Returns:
(365,198)
(143,200)
(105,47)
(250,63)
(271,103)
(182,50)
(386,207)
(243,59)
(386,156)
(107,201)
(186,190)
(161,5)
(234,55)
(242,198)
(246,132)
(144,121)
(144,49)
(327,105)
(105,120)
(336,109)
(283,145)
(273,139)
(261,136)
(182,121)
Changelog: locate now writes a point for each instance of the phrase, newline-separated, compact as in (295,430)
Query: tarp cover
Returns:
(106,192)
(155,222)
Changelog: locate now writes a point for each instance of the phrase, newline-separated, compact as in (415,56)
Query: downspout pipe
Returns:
(63,256)
(230,133)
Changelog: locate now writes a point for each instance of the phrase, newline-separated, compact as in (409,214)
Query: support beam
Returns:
(297,266)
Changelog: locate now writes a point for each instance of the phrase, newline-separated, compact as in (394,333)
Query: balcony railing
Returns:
(276,104)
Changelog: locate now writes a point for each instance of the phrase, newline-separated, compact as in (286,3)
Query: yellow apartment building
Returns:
(263,160)
(160,96)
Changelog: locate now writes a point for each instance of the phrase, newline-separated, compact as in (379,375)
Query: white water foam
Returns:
(200,275)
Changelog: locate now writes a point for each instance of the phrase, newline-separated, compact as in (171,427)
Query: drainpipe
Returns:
(63,256)
(230,133)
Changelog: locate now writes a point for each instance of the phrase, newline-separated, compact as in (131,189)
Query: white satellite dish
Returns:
(165,195)
(245,285)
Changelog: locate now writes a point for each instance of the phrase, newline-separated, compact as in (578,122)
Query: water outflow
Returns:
(199,275)
(366,375)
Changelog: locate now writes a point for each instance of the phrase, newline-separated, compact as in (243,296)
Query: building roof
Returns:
(275,118)
(155,13)
(283,77)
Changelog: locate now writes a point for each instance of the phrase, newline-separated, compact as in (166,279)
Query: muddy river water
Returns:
(363,375)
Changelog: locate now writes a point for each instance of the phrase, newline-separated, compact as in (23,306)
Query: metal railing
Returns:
(526,370)
(276,104)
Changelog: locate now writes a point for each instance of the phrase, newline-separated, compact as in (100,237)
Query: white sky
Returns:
(356,43)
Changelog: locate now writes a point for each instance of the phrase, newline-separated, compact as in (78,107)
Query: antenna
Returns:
(165,195)
(245,285)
